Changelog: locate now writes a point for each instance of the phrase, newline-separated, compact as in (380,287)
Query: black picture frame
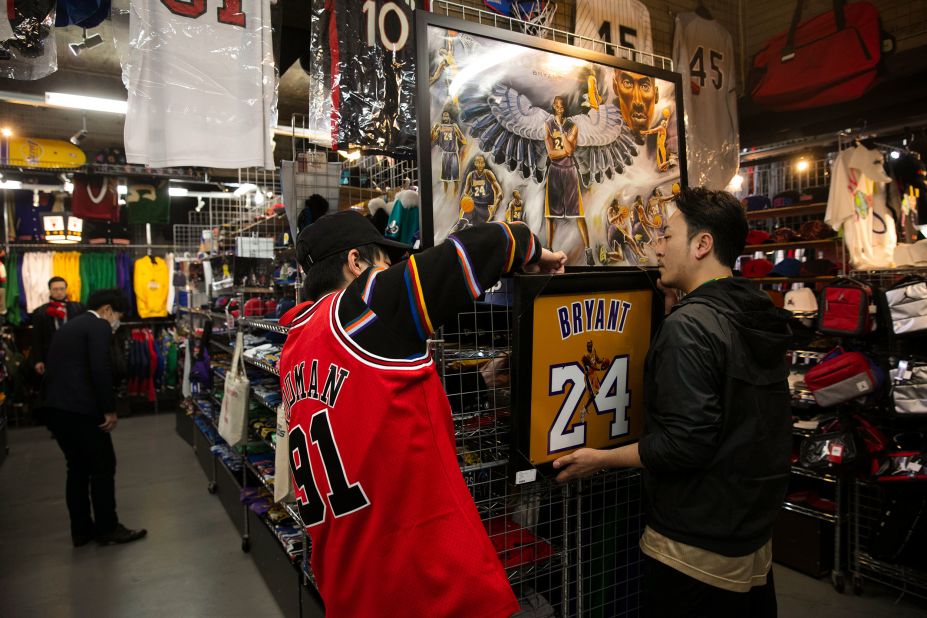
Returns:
(527,289)
(426,19)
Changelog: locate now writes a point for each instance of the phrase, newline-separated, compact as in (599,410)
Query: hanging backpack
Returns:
(907,303)
(843,376)
(846,307)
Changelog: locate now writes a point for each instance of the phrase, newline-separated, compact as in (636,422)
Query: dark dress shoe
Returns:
(121,535)
(81,540)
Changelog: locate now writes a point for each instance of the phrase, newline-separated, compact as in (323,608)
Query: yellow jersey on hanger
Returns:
(151,285)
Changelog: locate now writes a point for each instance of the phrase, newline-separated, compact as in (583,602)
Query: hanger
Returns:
(702,11)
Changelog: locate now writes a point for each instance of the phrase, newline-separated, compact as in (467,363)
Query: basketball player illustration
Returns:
(591,364)
(563,197)
(565,154)
(447,64)
(481,185)
(637,95)
(450,139)
(655,218)
(621,243)
(516,208)
(660,132)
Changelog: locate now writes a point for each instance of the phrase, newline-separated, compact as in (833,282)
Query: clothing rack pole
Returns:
(6,223)
(148,237)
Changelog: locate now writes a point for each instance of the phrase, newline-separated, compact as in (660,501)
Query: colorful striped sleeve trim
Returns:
(417,300)
(465,266)
(371,279)
(510,249)
(360,322)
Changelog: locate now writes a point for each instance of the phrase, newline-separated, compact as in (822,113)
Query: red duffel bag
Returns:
(828,59)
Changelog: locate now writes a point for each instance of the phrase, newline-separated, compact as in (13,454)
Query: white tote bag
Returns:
(233,418)
(283,484)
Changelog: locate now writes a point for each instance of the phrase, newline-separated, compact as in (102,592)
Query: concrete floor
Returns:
(191,564)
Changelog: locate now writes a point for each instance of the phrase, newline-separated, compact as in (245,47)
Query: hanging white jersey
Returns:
(619,22)
(703,52)
(202,85)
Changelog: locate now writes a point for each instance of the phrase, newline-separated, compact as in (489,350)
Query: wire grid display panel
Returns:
(187,238)
(871,524)
(568,550)
(222,212)
(778,176)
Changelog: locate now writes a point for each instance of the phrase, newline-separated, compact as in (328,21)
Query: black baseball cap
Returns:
(338,232)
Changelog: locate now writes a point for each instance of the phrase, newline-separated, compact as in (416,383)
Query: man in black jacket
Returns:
(48,318)
(717,431)
(78,393)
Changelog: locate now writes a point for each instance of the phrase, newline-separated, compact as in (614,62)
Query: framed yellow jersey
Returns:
(578,363)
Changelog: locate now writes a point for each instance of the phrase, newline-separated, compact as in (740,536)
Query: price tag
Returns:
(914,467)
(526,476)
(836,453)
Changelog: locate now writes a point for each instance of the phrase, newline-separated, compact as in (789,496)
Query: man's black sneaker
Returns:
(121,535)
(81,540)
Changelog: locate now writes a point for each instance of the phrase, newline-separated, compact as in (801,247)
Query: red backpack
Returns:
(846,307)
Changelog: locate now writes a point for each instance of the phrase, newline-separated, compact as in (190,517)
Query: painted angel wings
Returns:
(511,129)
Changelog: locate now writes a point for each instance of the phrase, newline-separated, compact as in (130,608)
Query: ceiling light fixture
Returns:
(177,191)
(11,184)
(93,104)
(6,132)
(88,42)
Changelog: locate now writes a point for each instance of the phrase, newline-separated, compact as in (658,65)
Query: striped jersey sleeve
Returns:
(392,312)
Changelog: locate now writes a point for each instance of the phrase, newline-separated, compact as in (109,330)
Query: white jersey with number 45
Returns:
(619,22)
(703,53)
(202,85)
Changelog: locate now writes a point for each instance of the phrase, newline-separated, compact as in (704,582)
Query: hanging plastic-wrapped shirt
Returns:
(202,84)
(362,74)
(27,39)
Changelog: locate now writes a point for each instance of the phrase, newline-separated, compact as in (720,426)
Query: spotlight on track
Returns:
(78,137)
(88,42)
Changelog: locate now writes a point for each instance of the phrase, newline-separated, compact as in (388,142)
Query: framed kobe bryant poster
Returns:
(584,147)
(578,360)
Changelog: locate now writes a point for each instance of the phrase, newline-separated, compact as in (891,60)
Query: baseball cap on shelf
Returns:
(801,300)
(785,234)
(819,268)
(338,232)
(789,267)
(816,230)
(254,307)
(757,237)
(756,268)
(755,202)
(786,198)
(813,195)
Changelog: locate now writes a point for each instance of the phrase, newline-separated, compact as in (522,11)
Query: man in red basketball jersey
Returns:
(394,529)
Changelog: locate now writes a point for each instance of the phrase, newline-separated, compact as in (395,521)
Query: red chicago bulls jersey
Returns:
(394,530)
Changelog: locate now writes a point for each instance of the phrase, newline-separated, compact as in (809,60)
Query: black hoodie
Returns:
(717,431)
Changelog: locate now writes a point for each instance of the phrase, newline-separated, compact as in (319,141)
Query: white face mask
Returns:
(115,324)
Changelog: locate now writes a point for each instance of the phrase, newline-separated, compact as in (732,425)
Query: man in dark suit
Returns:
(78,394)
(48,318)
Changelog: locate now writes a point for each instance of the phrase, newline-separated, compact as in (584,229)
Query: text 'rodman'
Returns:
(593,314)
(299,385)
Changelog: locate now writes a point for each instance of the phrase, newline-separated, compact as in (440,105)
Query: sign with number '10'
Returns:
(588,371)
